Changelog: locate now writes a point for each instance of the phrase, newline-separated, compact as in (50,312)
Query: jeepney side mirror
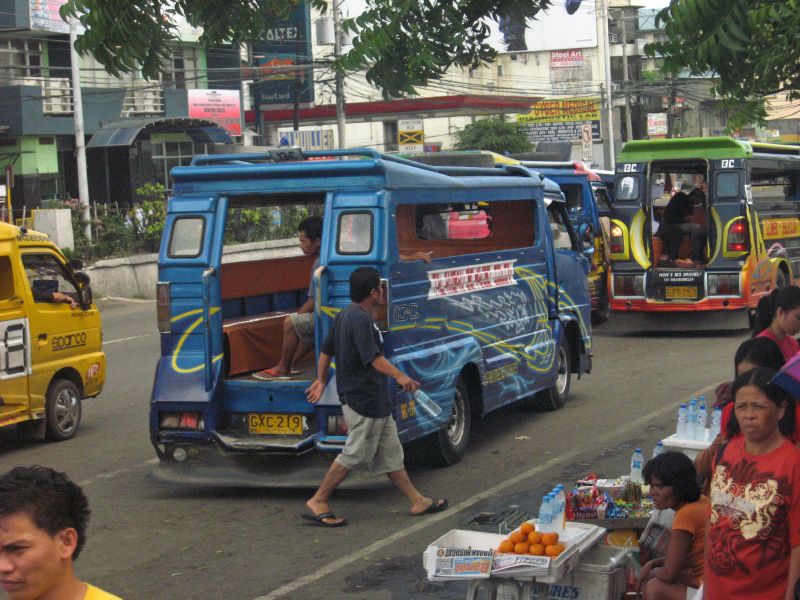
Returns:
(84,291)
(76,264)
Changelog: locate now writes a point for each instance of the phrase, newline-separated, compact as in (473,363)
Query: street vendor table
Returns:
(690,448)
(457,551)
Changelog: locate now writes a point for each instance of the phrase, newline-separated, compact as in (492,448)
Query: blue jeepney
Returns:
(500,313)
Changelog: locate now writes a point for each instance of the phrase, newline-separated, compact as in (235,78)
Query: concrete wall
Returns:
(136,276)
(57,223)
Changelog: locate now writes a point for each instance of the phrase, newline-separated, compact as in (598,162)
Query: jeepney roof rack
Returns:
(281,155)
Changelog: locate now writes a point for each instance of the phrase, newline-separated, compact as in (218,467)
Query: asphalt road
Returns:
(149,540)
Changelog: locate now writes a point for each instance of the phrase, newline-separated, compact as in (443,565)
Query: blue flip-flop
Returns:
(435,507)
(319,520)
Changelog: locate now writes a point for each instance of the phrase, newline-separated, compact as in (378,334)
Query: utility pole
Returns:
(610,109)
(341,124)
(671,110)
(297,88)
(628,121)
(80,138)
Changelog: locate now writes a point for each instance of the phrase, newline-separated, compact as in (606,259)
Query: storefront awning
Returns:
(124,133)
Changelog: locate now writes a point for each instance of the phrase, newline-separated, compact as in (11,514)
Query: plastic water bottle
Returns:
(716,424)
(561,498)
(691,419)
(702,418)
(545,515)
(427,404)
(683,416)
(658,449)
(637,462)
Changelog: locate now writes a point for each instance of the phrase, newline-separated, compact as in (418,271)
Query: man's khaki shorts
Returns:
(304,327)
(372,444)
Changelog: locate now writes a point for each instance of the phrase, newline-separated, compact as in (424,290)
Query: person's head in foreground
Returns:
(764,411)
(43,519)
(672,480)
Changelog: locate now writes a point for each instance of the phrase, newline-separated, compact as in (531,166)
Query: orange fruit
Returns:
(517,537)
(521,548)
(548,539)
(554,549)
(526,528)
(534,537)
(506,546)
(536,550)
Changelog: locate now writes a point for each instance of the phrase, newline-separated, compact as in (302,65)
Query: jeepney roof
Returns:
(10,232)
(709,148)
(325,170)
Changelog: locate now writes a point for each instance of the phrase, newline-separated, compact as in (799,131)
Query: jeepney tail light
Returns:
(181,420)
(723,284)
(738,236)
(162,307)
(629,285)
(336,425)
(617,240)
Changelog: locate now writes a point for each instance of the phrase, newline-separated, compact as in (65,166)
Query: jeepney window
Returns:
(186,238)
(627,188)
(602,199)
(558,228)
(727,185)
(6,279)
(471,221)
(47,275)
(574,195)
(354,235)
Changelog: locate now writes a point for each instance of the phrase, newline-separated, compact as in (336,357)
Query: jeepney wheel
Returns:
(450,443)
(554,397)
(780,280)
(62,411)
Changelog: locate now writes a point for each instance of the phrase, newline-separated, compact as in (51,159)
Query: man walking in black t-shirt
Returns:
(361,382)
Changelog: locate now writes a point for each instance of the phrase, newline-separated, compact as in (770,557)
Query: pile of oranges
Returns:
(526,540)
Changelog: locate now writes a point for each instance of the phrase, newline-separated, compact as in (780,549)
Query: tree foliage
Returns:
(751,46)
(401,44)
(494,134)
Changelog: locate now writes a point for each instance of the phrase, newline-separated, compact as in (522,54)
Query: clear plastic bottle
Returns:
(427,404)
(691,419)
(683,421)
(637,463)
(658,449)
(716,424)
(561,499)
(702,418)
(545,515)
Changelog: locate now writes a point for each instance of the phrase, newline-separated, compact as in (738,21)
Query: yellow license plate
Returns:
(678,291)
(276,424)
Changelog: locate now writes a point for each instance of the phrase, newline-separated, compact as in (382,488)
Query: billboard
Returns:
(282,62)
(564,26)
(221,106)
(561,120)
(45,16)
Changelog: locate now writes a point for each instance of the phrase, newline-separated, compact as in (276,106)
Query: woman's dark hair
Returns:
(761,378)
(676,470)
(787,298)
(759,351)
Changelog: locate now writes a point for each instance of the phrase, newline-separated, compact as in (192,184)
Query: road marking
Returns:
(463,505)
(113,474)
(125,339)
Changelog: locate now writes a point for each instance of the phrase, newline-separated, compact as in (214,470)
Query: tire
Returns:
(62,411)
(554,397)
(448,445)
(603,309)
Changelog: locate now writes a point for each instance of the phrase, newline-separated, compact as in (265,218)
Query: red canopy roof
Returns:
(463,105)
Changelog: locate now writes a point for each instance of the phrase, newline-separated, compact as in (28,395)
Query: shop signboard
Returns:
(282,62)
(657,125)
(410,135)
(221,106)
(566,58)
(45,16)
(561,120)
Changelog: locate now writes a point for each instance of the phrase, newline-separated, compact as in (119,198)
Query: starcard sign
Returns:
(465,280)
(221,106)
(282,62)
